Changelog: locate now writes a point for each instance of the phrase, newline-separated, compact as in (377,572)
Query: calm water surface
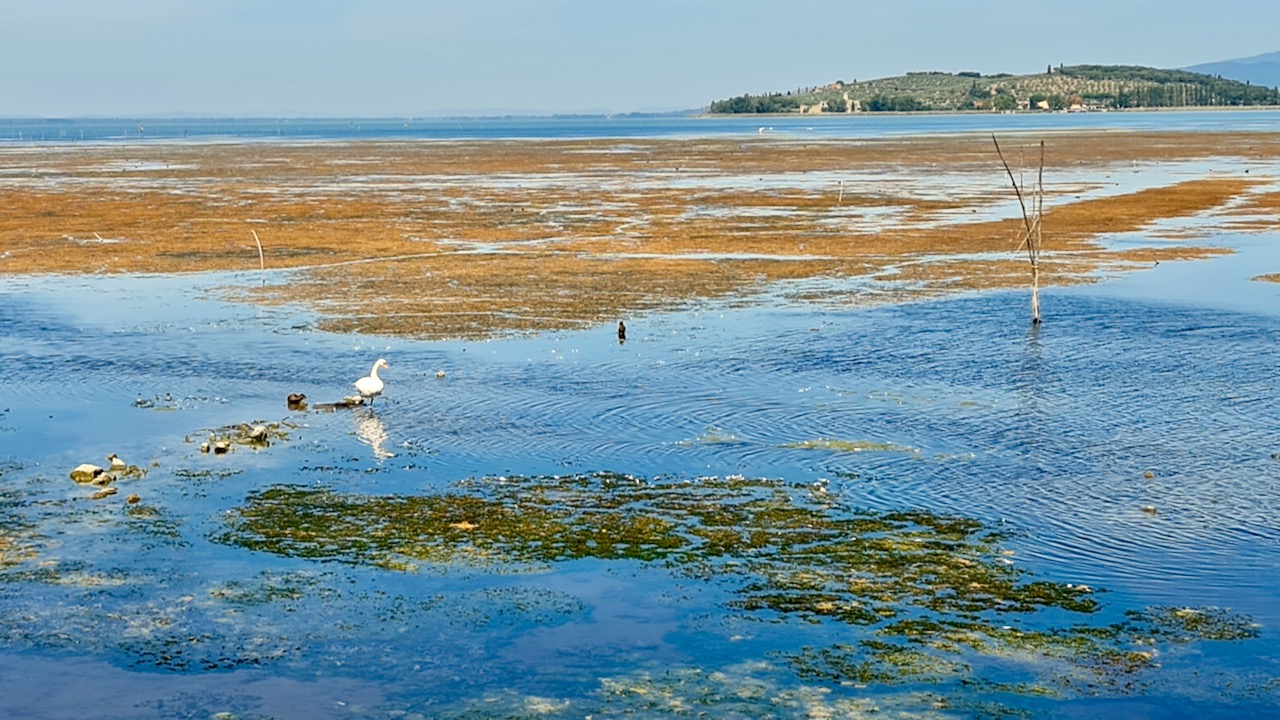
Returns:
(74,130)
(1128,444)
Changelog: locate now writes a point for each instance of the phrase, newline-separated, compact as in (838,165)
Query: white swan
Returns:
(371,386)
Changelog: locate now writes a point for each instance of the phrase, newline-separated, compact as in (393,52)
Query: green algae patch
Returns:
(789,548)
(401,532)
(749,689)
(931,593)
(831,445)
(206,473)
(302,618)
(16,533)
(745,690)
(712,436)
(1185,624)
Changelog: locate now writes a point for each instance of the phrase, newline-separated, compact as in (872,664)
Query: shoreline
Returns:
(967,113)
(692,113)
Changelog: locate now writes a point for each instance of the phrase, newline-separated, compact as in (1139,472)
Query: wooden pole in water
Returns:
(262,263)
(1034,244)
(1031,222)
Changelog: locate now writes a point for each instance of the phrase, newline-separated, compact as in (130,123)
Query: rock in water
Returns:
(85,473)
(104,492)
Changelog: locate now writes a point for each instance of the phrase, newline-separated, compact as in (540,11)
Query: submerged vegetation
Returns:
(931,592)
(851,446)
(796,602)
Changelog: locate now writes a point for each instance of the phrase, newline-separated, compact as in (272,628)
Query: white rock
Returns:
(86,473)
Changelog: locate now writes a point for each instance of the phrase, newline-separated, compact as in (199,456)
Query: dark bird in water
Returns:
(296,401)
(622,332)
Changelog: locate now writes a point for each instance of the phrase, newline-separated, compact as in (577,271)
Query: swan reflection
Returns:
(370,431)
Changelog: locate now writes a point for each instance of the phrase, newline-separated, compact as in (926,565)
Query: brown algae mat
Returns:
(472,239)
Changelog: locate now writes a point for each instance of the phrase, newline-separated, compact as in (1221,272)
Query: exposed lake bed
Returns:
(756,505)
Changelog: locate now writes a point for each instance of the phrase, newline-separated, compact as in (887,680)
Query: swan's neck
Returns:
(374,372)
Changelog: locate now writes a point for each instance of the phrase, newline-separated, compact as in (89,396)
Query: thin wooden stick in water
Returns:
(262,263)
(1033,224)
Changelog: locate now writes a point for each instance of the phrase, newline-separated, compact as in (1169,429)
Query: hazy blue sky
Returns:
(425,58)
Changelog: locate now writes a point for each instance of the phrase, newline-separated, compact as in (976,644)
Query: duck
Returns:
(371,385)
(296,401)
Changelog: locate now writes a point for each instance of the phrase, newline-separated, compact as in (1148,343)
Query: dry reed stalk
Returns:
(1033,237)
(262,263)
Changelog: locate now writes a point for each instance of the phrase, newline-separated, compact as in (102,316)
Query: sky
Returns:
(429,58)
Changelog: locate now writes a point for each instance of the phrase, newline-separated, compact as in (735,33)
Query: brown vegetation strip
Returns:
(449,239)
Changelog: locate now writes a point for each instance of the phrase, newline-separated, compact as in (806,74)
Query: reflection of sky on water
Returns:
(60,132)
(1169,370)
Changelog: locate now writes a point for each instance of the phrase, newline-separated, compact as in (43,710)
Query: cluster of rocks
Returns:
(257,435)
(221,441)
(102,478)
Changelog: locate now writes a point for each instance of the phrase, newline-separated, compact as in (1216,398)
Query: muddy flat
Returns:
(476,238)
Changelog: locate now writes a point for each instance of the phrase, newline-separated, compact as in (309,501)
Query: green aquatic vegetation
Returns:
(1103,651)
(150,521)
(397,531)
(712,436)
(511,606)
(851,446)
(306,618)
(17,541)
(206,473)
(875,661)
(274,587)
(1185,624)
(753,689)
(932,590)
(68,573)
(917,599)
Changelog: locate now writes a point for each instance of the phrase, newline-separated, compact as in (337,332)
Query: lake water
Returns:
(712,519)
(43,130)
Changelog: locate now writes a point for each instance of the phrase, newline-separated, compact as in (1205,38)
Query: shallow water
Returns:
(1126,444)
(61,131)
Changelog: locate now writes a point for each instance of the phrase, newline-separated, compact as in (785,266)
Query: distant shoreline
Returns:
(692,114)
(967,113)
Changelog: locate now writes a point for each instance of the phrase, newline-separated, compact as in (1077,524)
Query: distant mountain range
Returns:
(1261,69)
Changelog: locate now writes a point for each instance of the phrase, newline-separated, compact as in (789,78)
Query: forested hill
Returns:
(1071,87)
